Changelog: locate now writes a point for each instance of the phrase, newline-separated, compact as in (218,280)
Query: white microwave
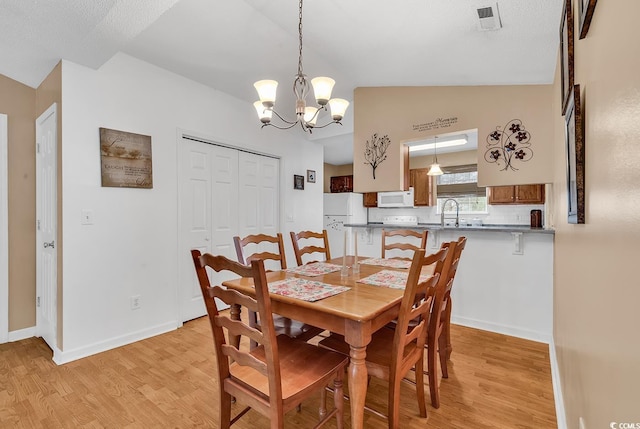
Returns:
(396,198)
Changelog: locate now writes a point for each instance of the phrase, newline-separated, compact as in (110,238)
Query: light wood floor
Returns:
(494,381)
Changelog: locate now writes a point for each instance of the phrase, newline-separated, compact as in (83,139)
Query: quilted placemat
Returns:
(391,279)
(314,269)
(306,290)
(391,263)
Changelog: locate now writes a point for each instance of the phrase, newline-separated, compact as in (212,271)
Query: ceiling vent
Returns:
(489,18)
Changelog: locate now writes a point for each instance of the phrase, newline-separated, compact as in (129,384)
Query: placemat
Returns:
(391,263)
(314,269)
(306,290)
(391,279)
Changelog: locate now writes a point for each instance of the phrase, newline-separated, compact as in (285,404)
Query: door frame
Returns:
(4,230)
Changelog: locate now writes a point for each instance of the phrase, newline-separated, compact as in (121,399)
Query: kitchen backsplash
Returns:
(496,215)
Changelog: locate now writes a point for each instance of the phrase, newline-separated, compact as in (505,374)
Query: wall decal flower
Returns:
(375,151)
(508,144)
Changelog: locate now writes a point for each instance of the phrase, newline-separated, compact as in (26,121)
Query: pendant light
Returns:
(435,169)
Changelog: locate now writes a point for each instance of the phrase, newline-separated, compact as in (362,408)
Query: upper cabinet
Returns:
(370,199)
(341,183)
(517,194)
(422,185)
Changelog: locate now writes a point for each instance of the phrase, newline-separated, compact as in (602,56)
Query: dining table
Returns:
(356,311)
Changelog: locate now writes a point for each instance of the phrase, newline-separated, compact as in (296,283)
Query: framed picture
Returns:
(125,159)
(566,53)
(298,182)
(574,136)
(311,176)
(586,13)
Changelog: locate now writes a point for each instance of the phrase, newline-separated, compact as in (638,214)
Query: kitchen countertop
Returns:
(437,227)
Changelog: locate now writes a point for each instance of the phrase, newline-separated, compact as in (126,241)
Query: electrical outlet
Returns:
(135,302)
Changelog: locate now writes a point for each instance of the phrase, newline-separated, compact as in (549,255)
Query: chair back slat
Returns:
(259,242)
(417,237)
(245,359)
(307,248)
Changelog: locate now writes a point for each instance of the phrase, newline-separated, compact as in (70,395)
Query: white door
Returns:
(259,210)
(4,233)
(46,227)
(208,214)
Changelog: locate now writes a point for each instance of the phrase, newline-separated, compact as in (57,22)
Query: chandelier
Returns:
(306,116)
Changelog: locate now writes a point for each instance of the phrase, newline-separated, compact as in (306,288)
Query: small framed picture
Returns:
(311,176)
(586,13)
(566,54)
(575,158)
(298,182)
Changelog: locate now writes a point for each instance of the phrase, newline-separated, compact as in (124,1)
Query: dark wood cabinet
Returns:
(422,184)
(341,183)
(370,199)
(517,194)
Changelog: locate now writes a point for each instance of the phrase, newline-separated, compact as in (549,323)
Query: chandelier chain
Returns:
(300,38)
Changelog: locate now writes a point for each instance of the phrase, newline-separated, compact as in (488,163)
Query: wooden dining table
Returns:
(356,314)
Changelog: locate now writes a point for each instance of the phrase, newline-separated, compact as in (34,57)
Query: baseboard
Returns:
(557,387)
(67,356)
(513,331)
(22,334)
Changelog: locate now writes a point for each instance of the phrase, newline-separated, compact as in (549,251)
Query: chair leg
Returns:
(394,402)
(225,410)
(442,354)
(420,387)
(338,399)
(446,331)
(432,369)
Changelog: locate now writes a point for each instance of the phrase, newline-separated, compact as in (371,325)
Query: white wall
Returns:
(131,247)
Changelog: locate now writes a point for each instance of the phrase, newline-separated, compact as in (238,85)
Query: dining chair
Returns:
(314,242)
(274,377)
(392,353)
(403,245)
(446,317)
(271,248)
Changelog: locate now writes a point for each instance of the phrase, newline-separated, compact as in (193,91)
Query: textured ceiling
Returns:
(229,44)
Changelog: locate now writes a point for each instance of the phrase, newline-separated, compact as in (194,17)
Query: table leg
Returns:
(357,384)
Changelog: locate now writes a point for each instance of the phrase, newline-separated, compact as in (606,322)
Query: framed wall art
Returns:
(311,176)
(574,137)
(586,13)
(125,159)
(566,53)
(298,182)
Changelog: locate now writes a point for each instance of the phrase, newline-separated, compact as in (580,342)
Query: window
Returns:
(461,183)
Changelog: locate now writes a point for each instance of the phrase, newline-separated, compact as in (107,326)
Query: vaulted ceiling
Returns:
(229,44)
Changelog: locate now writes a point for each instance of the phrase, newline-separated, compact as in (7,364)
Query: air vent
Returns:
(489,18)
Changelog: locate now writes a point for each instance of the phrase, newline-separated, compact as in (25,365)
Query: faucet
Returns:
(442,217)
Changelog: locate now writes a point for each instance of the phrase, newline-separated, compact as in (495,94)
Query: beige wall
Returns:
(18,102)
(597,292)
(410,113)
(49,92)
(331,170)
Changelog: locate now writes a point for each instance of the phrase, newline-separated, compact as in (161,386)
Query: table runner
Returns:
(391,263)
(314,269)
(306,290)
(391,279)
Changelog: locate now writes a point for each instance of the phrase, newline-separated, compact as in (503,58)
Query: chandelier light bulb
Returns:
(267,92)
(322,87)
(263,113)
(338,108)
(311,115)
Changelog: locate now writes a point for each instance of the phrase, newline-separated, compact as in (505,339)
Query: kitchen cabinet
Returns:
(517,194)
(422,184)
(341,183)
(370,199)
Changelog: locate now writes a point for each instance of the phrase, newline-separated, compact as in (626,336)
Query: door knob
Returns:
(52,244)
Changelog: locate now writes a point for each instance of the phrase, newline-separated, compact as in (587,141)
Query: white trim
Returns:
(22,334)
(513,331)
(4,232)
(557,387)
(62,357)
